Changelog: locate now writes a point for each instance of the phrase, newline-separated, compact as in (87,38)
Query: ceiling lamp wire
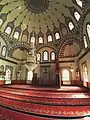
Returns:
(71,68)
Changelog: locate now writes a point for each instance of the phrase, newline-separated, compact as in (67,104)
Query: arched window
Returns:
(29,75)
(3,53)
(65,75)
(53,56)
(33,39)
(85,41)
(49,38)
(8,30)
(8,74)
(40,39)
(57,36)
(85,73)
(1,68)
(77,15)
(45,55)
(1,21)
(70,25)
(88,30)
(38,56)
(16,35)
(79,2)
(24,38)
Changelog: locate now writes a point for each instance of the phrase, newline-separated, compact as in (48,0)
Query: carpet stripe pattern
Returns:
(51,104)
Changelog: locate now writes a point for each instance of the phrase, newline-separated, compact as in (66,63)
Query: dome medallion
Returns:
(37,6)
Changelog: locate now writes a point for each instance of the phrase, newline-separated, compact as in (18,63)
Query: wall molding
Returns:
(8,60)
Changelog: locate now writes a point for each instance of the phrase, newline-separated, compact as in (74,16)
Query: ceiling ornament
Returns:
(37,6)
(24,15)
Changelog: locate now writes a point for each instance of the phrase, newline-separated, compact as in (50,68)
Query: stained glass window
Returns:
(79,2)
(53,56)
(70,25)
(57,36)
(77,16)
(85,41)
(40,39)
(3,51)
(8,30)
(88,30)
(16,35)
(45,55)
(49,38)
(33,39)
(38,57)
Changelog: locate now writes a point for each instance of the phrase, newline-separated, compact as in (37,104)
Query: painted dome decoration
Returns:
(20,18)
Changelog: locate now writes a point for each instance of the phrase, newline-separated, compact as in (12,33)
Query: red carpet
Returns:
(43,93)
(40,102)
(61,99)
(63,88)
(46,109)
(6,114)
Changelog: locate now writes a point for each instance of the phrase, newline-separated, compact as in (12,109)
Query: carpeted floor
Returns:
(50,98)
(63,88)
(36,102)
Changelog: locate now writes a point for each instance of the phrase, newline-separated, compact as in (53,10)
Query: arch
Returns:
(57,36)
(79,3)
(77,15)
(30,75)
(52,55)
(40,40)
(8,74)
(85,72)
(85,41)
(16,35)
(71,25)
(3,51)
(45,56)
(65,75)
(33,39)
(8,30)
(38,57)
(40,47)
(22,45)
(88,30)
(50,39)
(66,41)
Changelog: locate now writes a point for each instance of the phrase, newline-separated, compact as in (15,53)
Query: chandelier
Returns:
(31,62)
(71,68)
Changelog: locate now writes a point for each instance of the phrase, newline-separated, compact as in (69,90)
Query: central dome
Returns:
(37,6)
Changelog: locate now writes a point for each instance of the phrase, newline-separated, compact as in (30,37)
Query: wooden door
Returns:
(45,75)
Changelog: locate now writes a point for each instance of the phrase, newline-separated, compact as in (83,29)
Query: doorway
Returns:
(8,76)
(45,75)
(66,77)
(29,76)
